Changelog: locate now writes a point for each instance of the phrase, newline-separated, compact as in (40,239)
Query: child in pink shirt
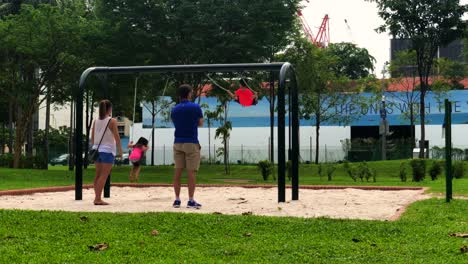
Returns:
(138,150)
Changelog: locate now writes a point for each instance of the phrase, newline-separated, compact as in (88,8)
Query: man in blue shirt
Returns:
(187,117)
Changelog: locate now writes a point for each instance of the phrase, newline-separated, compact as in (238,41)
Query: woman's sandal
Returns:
(100,203)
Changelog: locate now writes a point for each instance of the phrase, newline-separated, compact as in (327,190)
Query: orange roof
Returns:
(408,83)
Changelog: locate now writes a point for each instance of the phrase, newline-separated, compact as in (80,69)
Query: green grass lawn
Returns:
(421,236)
(387,175)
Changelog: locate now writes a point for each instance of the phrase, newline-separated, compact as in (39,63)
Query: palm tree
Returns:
(224,132)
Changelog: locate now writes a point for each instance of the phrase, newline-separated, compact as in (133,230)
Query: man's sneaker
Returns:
(176,204)
(193,204)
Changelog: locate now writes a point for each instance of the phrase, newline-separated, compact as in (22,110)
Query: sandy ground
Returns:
(346,203)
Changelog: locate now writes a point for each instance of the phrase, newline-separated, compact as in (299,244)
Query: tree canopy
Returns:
(353,62)
(428,24)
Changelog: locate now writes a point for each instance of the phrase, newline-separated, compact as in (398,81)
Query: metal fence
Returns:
(243,154)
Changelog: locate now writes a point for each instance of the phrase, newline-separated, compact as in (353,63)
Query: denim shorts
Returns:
(105,157)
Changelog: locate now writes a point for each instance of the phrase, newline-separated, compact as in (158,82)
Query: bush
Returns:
(6,160)
(458,169)
(330,170)
(435,170)
(320,171)
(403,173)
(265,168)
(350,170)
(419,169)
(363,171)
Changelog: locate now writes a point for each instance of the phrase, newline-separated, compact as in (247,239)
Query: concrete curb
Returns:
(146,185)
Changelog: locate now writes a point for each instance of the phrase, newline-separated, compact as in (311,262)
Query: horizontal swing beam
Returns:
(283,68)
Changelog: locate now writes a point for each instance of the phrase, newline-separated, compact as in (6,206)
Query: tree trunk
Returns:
(20,136)
(272,123)
(226,150)
(422,112)
(86,146)
(153,116)
(413,134)
(272,132)
(30,140)
(71,140)
(317,140)
(209,141)
(10,126)
(46,134)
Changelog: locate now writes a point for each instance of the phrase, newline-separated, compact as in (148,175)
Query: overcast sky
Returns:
(363,20)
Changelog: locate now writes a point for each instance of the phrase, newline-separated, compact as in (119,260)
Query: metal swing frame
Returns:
(283,69)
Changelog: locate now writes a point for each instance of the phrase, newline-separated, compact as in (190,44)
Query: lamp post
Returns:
(383,115)
(383,128)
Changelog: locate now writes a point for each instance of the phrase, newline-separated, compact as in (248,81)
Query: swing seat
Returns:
(246,97)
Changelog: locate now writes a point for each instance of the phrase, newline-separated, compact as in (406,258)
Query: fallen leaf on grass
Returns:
(356,240)
(99,247)
(84,218)
(247,213)
(247,234)
(154,232)
(464,249)
(463,235)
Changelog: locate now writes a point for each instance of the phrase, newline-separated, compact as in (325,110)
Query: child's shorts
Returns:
(135,163)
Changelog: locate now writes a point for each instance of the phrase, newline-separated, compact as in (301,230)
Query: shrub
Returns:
(363,171)
(350,170)
(435,170)
(330,170)
(265,168)
(6,160)
(419,169)
(320,171)
(402,173)
(458,169)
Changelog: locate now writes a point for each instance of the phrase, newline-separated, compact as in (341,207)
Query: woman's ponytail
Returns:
(104,106)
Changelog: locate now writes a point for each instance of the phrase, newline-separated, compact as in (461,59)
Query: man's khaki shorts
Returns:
(187,155)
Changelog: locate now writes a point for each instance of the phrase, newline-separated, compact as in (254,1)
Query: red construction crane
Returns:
(322,39)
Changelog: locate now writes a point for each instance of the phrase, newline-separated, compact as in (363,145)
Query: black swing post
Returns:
(284,70)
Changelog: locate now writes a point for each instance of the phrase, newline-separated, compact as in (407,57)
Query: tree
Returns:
(428,24)
(324,93)
(453,72)
(353,62)
(403,71)
(39,46)
(179,32)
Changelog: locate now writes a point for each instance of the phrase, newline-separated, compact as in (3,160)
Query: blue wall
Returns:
(364,115)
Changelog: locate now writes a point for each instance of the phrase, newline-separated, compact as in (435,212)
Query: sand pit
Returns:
(346,203)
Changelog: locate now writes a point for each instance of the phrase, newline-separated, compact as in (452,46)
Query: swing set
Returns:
(244,95)
(287,83)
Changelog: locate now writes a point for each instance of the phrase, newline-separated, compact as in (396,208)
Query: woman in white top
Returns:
(105,128)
